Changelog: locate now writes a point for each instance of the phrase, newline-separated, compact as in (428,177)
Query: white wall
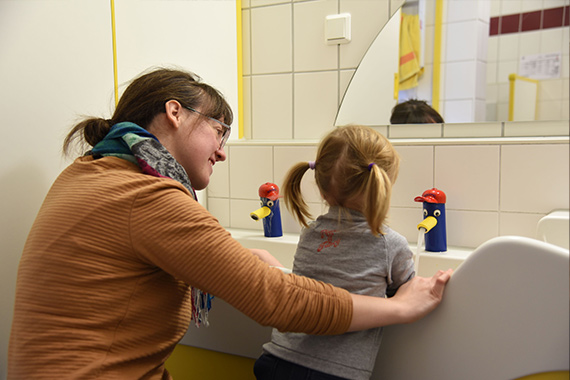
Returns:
(57,64)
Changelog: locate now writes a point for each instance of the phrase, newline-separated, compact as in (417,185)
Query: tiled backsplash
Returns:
(494,186)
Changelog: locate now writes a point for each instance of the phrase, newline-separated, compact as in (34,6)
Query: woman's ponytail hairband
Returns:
(312,165)
(370,166)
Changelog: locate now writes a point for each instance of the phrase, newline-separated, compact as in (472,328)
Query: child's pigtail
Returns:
(377,193)
(292,193)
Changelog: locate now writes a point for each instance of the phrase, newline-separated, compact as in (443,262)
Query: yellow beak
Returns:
(428,223)
(260,213)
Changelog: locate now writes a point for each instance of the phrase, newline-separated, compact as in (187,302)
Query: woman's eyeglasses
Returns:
(223,133)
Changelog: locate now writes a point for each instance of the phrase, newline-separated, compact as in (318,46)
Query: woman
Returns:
(121,255)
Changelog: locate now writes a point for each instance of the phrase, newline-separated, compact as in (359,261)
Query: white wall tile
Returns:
(482,40)
(382,129)
(503,94)
(459,111)
(290,224)
(529,43)
(495,8)
(534,178)
(316,103)
(247,105)
(502,111)
(403,131)
(509,46)
(480,82)
(345,77)
(405,221)
(220,208)
(505,69)
(519,224)
(219,185)
(462,11)
(565,40)
(470,228)
(271,39)
(493,49)
(550,89)
(250,167)
(492,129)
(492,93)
(532,128)
(554,3)
(551,40)
(246,41)
(469,176)
(257,3)
(311,52)
(550,110)
(480,111)
(460,72)
(511,6)
(239,214)
(461,40)
(416,174)
(363,30)
(272,102)
(531,5)
(286,157)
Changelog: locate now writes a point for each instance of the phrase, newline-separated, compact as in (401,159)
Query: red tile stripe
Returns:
(529,21)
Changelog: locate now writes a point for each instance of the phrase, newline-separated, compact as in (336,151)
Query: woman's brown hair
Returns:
(145,98)
(355,167)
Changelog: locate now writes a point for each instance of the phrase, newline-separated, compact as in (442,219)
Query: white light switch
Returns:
(337,29)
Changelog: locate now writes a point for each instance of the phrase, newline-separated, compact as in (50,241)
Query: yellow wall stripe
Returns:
(437,54)
(239,68)
(114,36)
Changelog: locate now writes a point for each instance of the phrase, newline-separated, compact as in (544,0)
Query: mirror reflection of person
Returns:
(414,111)
(121,255)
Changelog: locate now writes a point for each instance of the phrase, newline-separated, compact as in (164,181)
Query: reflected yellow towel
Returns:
(410,69)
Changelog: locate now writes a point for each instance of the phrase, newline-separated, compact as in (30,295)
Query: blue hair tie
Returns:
(370,166)
(312,165)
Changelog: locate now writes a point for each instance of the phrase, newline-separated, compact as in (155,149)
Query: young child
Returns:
(350,246)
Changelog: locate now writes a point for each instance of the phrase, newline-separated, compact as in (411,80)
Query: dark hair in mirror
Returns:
(414,111)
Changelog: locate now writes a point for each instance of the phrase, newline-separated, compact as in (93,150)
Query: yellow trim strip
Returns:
(437,54)
(114,36)
(396,85)
(239,68)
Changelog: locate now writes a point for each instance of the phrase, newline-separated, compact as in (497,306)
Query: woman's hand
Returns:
(413,301)
(421,295)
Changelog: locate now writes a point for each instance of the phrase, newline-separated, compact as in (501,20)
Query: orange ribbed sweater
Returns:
(103,282)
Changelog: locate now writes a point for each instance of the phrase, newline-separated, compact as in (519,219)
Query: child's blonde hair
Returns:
(354,164)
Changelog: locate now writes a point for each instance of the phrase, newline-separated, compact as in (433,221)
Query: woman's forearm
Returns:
(412,301)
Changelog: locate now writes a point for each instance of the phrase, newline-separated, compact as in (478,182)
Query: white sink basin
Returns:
(554,228)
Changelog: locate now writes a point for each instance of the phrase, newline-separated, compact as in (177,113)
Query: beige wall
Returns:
(57,64)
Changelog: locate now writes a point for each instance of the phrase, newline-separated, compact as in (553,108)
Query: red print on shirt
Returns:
(328,234)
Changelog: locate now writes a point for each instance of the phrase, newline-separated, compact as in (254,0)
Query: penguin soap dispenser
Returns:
(434,220)
(269,211)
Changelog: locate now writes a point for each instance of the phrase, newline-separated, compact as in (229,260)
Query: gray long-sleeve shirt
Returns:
(339,248)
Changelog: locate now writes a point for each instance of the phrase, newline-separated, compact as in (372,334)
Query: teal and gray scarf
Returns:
(132,143)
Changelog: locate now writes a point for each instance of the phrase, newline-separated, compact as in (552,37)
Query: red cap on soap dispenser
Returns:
(432,196)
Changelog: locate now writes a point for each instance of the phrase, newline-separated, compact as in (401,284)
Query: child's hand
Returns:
(266,257)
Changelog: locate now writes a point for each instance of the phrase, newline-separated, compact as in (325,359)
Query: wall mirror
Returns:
(482,43)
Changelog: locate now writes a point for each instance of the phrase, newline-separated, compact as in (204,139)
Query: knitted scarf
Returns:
(132,143)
